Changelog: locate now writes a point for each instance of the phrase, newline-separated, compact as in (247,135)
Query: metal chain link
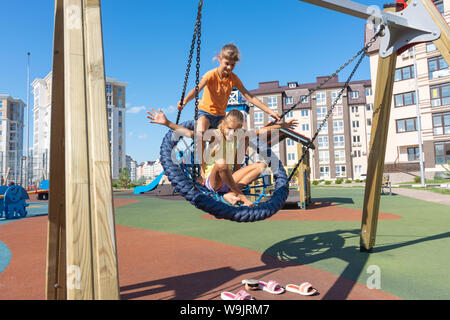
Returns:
(361,53)
(191,54)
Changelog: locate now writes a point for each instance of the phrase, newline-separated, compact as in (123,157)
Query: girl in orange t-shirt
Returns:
(218,84)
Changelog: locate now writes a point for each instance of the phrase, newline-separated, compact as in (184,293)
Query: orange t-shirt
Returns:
(217,91)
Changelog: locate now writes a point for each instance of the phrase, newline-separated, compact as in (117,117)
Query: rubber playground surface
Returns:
(167,249)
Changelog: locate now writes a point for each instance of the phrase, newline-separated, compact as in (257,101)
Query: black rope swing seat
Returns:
(181,170)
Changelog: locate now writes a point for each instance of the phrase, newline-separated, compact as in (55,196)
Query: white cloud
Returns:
(136,109)
(143,136)
(169,109)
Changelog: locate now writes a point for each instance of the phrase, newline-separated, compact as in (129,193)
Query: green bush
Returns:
(338,181)
(417,179)
(315,182)
(357,180)
(348,181)
(327,182)
(114,184)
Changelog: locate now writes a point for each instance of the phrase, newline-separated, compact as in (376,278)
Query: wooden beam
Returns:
(106,284)
(377,147)
(56,254)
(443,42)
(78,231)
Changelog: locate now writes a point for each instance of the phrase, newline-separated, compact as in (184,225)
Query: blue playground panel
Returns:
(151,186)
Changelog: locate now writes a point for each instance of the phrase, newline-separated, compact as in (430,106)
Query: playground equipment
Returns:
(405,24)
(149,187)
(81,259)
(42,192)
(13,202)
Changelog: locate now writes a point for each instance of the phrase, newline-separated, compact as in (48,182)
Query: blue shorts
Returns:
(214,120)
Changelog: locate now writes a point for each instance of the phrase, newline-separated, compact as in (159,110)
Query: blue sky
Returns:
(146,44)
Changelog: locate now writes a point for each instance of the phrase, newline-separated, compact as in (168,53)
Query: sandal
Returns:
(241,295)
(272,287)
(305,289)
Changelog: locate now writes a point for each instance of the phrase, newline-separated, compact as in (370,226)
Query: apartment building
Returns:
(131,165)
(342,144)
(116,101)
(11,138)
(422,82)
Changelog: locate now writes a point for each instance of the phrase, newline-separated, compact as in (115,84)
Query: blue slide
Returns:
(151,186)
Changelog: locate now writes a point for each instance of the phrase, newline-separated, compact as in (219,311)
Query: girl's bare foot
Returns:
(245,201)
(231,198)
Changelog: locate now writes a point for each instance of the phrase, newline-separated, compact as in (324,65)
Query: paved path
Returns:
(424,195)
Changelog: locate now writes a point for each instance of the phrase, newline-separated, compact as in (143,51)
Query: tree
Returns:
(124,179)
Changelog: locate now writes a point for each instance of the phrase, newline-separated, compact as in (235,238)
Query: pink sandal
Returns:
(241,295)
(272,287)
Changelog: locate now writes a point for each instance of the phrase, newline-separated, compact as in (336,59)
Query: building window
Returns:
(339,141)
(292,85)
(358,169)
(405,99)
(338,111)
(406,125)
(368,92)
(441,123)
(324,172)
(340,172)
(369,122)
(324,156)
(404,73)
(413,154)
(288,100)
(321,98)
(323,141)
(440,95)
(120,103)
(431,47)
(324,128)
(334,95)
(356,139)
(437,67)
(442,152)
(290,114)
(355,109)
(290,142)
(291,156)
(304,99)
(272,102)
(108,89)
(354,94)
(304,113)
(120,92)
(321,112)
(355,124)
(339,155)
(109,100)
(369,107)
(305,127)
(338,126)
(259,117)
(357,153)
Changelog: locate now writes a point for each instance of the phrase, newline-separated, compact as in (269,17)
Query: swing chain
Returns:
(363,50)
(197,89)
(191,54)
(360,53)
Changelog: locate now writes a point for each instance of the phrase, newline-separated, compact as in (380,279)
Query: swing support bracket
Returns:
(411,25)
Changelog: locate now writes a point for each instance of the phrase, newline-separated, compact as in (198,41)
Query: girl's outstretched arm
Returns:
(291,124)
(255,101)
(160,118)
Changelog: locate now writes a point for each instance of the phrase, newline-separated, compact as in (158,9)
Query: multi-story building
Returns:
(11,138)
(115,95)
(341,146)
(131,165)
(431,81)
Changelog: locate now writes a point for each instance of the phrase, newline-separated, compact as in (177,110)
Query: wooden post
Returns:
(378,139)
(443,42)
(56,235)
(303,179)
(90,261)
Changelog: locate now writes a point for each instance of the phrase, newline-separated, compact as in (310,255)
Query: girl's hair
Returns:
(236,114)
(230,52)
